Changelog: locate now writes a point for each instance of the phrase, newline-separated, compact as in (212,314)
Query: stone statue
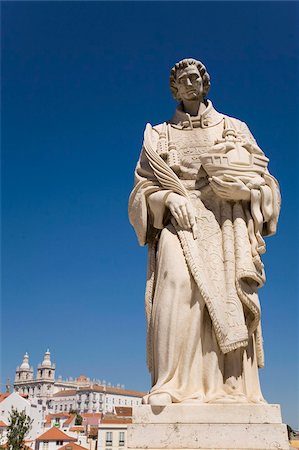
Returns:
(203,202)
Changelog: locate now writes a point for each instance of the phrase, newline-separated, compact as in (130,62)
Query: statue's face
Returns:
(189,84)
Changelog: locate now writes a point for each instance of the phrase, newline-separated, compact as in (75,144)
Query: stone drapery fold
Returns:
(222,259)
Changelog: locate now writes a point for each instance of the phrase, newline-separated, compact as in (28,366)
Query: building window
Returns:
(45,445)
(109,438)
(59,442)
(121,442)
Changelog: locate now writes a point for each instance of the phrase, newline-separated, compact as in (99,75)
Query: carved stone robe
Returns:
(203,312)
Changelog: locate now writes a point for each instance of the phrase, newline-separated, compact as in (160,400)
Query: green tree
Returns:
(291,432)
(19,426)
(78,420)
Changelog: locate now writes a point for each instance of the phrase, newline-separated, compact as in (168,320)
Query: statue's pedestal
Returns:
(208,426)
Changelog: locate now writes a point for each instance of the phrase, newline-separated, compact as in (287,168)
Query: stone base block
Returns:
(207,427)
(207,413)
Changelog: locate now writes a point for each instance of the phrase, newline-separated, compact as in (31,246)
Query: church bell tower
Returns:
(24,376)
(45,377)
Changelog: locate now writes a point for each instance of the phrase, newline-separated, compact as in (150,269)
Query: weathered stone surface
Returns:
(203,200)
(208,436)
(206,413)
(205,426)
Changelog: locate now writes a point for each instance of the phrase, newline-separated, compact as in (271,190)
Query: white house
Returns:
(53,439)
(66,422)
(94,399)
(112,432)
(33,409)
(72,446)
(60,420)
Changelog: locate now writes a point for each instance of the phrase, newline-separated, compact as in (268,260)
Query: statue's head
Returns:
(189,80)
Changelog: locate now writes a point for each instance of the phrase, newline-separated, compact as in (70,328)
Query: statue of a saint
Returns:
(203,201)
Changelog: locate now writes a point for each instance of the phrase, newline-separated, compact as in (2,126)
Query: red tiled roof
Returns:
(77,428)
(58,414)
(3,424)
(65,393)
(69,419)
(123,411)
(112,390)
(49,417)
(72,446)
(99,388)
(91,414)
(3,397)
(54,434)
(91,418)
(112,418)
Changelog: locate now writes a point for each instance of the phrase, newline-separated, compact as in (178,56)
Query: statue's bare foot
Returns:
(159,399)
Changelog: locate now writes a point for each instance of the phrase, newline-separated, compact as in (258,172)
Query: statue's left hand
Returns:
(230,188)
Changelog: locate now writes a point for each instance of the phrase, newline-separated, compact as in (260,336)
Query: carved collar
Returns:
(209,118)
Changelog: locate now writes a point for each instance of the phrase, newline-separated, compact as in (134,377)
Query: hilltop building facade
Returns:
(80,394)
(44,385)
(93,399)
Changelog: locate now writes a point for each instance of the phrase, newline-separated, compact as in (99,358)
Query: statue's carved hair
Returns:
(182,65)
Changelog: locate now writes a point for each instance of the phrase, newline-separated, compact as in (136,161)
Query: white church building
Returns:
(80,394)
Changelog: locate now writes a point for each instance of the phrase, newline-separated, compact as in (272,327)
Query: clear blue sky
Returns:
(79,82)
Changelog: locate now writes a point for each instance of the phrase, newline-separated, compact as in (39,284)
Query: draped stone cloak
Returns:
(223,253)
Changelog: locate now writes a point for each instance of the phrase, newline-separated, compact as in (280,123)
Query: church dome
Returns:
(82,378)
(25,363)
(47,359)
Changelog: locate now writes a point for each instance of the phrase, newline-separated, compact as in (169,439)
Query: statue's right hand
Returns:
(181,209)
